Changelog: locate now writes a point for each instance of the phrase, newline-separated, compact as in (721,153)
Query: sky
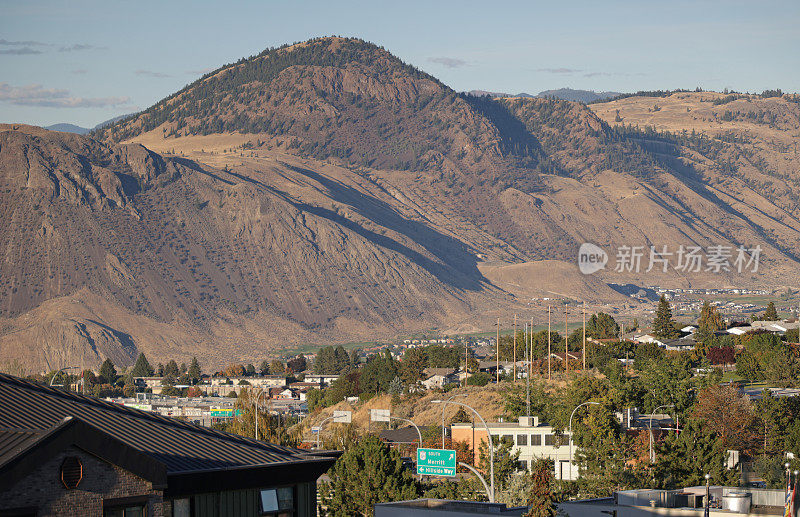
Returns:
(85,61)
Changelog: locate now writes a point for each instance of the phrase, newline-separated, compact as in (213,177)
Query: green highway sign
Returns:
(436,462)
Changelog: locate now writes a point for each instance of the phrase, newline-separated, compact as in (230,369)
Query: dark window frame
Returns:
(291,511)
(120,503)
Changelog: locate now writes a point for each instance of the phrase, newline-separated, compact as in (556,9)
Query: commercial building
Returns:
(532,439)
(66,454)
(684,502)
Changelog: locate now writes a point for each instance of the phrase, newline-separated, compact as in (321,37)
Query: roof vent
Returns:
(71,472)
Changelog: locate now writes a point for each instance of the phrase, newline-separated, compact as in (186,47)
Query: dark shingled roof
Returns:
(30,410)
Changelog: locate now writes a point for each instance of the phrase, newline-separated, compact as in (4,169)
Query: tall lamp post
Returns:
(255,402)
(444,407)
(652,454)
(708,494)
(571,459)
(488,439)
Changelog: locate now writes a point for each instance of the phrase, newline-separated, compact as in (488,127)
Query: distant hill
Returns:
(78,130)
(566,94)
(481,93)
(584,96)
(68,128)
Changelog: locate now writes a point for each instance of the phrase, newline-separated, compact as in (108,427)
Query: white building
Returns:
(532,439)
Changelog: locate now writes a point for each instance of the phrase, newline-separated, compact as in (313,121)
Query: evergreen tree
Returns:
(663,324)
(413,365)
(771,314)
(263,368)
(194,372)
(684,458)
(367,473)
(108,372)
(142,367)
(250,370)
(710,321)
(171,369)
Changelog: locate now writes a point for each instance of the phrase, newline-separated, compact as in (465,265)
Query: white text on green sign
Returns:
(436,462)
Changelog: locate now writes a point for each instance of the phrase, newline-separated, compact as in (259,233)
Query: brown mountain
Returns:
(326,191)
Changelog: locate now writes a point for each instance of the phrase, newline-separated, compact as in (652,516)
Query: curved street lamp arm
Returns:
(475,471)
(319,432)
(53,378)
(490,443)
(412,423)
(571,458)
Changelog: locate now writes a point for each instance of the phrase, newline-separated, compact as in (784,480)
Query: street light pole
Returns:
(255,402)
(488,439)
(444,406)
(319,431)
(571,459)
(652,454)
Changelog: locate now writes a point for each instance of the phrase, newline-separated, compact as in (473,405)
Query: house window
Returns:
(508,439)
(536,439)
(135,506)
(136,510)
(277,501)
(181,508)
(550,440)
(522,465)
(522,439)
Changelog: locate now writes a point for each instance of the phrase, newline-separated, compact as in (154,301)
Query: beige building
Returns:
(532,439)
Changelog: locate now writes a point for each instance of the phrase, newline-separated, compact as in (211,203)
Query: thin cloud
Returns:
(449,62)
(24,51)
(36,95)
(80,71)
(202,71)
(80,46)
(27,43)
(598,74)
(150,73)
(563,71)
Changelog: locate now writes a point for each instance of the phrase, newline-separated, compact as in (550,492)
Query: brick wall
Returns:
(42,488)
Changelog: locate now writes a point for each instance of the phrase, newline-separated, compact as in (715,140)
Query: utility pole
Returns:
(497,370)
(566,341)
(527,375)
(515,349)
(549,372)
(584,334)
(530,352)
(466,362)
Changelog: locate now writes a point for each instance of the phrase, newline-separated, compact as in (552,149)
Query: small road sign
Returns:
(379,415)
(342,417)
(436,462)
